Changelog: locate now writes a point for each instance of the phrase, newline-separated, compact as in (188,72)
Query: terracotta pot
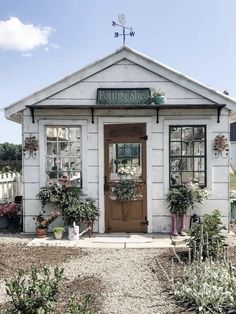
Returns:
(41,232)
(174,225)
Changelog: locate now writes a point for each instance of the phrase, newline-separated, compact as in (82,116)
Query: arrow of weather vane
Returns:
(122,20)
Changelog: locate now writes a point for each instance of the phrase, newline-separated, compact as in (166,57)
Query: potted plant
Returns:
(182,198)
(10,214)
(58,232)
(157,96)
(79,211)
(43,221)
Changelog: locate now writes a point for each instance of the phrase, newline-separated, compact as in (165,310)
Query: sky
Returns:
(42,41)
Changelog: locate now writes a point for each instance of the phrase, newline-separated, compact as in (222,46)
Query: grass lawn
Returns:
(232,182)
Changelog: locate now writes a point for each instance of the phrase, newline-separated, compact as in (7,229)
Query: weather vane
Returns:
(122,20)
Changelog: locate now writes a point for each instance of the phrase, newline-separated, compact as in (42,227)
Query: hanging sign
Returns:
(124,96)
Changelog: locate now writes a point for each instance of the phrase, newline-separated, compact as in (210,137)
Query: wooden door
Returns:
(125,151)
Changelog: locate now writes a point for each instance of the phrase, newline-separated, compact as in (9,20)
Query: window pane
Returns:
(187,134)
(187,164)
(125,157)
(175,148)
(75,149)
(187,177)
(175,134)
(187,148)
(51,148)
(175,164)
(199,148)
(175,178)
(199,133)
(51,134)
(199,177)
(199,164)
(63,134)
(63,148)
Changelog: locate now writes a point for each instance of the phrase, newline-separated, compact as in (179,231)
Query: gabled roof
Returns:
(120,54)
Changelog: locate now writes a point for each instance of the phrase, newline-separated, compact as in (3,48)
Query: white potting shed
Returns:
(99,121)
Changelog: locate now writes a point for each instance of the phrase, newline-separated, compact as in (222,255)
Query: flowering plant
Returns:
(125,171)
(42,221)
(11,210)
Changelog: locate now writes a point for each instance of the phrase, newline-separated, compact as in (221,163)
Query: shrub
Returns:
(206,239)
(82,306)
(208,286)
(36,294)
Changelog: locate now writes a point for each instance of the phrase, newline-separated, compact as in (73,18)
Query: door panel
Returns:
(125,157)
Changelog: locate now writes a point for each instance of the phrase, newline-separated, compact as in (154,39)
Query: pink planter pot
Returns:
(174,225)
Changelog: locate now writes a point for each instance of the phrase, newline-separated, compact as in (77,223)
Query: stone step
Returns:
(179,240)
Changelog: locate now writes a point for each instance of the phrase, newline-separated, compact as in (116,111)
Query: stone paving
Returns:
(117,241)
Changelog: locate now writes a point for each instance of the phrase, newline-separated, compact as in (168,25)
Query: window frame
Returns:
(59,156)
(84,142)
(191,157)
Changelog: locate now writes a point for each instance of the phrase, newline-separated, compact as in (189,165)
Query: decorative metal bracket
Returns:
(92,112)
(32,114)
(157,115)
(219,108)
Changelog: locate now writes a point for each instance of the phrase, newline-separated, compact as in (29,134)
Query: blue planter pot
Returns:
(159,100)
(4,223)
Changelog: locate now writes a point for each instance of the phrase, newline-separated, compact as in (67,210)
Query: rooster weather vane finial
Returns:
(122,21)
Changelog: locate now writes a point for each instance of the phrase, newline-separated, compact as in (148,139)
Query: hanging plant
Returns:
(125,190)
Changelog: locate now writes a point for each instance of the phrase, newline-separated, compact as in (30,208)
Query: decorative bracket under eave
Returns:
(219,108)
(32,114)
(92,112)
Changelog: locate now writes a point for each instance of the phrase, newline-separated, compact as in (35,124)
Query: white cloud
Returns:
(26,54)
(55,46)
(14,35)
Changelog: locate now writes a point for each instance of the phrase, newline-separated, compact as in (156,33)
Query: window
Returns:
(233,131)
(63,154)
(187,151)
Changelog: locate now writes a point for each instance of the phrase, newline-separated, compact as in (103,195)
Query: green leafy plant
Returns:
(208,287)
(155,92)
(35,294)
(125,190)
(73,204)
(207,239)
(82,306)
(59,229)
(80,210)
(182,198)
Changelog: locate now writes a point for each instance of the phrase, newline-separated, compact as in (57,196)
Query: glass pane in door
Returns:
(125,161)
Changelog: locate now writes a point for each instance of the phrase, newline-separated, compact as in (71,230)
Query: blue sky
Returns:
(196,37)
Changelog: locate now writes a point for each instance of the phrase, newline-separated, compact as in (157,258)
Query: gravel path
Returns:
(129,284)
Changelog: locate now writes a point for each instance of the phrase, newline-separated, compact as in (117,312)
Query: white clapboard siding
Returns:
(10,186)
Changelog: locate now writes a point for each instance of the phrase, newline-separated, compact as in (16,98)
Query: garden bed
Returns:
(18,256)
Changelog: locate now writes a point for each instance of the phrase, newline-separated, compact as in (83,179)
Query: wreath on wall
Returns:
(221,143)
(125,190)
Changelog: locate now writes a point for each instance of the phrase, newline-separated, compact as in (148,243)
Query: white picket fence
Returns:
(10,186)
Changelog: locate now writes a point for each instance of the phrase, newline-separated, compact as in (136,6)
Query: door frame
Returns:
(101,199)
